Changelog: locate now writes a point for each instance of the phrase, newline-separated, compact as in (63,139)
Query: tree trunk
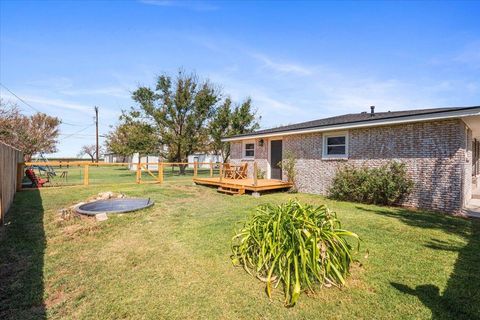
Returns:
(181,167)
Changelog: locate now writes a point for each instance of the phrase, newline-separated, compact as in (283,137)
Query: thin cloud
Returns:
(55,83)
(192,5)
(264,99)
(117,92)
(66,86)
(60,103)
(327,90)
(470,55)
(283,67)
(270,107)
(56,106)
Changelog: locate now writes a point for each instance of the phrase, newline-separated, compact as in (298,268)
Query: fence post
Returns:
(85,175)
(255,169)
(195,168)
(211,168)
(19,175)
(221,172)
(160,172)
(139,173)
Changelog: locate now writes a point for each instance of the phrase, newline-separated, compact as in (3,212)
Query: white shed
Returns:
(145,159)
(204,157)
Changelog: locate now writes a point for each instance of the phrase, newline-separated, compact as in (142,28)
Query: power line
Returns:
(25,102)
(82,135)
(33,108)
(81,138)
(71,124)
(72,134)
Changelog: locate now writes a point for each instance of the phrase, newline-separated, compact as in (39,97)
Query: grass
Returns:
(173,261)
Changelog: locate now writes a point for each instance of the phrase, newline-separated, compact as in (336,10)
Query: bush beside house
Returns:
(386,185)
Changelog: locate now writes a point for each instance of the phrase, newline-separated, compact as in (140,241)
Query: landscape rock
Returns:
(101,216)
(105,195)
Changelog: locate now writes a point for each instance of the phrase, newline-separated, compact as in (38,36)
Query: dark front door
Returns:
(275,158)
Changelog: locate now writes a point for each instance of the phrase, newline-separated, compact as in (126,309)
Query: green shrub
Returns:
(261,174)
(288,164)
(295,245)
(387,185)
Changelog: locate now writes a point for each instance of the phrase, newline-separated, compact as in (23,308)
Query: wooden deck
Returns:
(245,184)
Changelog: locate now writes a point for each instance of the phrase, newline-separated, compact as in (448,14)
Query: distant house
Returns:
(151,159)
(439,147)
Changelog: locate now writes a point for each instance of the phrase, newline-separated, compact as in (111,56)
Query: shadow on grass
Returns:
(22,246)
(461,298)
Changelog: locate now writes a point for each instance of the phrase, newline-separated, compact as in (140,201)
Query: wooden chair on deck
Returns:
(228,171)
(241,173)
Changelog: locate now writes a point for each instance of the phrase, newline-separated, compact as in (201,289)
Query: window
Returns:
(335,145)
(249,150)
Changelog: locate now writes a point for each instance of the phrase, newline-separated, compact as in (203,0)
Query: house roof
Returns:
(363,119)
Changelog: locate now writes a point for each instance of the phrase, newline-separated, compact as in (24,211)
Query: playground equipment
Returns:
(46,168)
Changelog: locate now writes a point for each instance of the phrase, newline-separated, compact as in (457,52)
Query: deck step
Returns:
(231,190)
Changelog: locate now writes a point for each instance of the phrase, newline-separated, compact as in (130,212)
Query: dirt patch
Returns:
(76,230)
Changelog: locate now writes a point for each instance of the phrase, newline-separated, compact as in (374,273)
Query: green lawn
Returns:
(172,261)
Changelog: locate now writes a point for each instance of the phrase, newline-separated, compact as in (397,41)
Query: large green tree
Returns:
(131,136)
(228,121)
(189,115)
(180,108)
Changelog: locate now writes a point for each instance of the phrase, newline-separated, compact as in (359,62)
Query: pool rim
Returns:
(94,213)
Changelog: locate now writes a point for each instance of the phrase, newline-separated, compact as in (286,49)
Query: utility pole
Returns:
(96,133)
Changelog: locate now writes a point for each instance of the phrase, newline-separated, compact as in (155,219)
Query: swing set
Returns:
(46,172)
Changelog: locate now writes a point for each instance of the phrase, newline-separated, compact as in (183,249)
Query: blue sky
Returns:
(298,61)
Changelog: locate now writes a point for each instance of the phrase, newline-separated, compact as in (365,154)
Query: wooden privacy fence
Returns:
(9,176)
(157,175)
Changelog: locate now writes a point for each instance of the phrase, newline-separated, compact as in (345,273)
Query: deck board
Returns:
(247,184)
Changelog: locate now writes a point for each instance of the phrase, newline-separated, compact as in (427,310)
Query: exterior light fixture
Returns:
(260,143)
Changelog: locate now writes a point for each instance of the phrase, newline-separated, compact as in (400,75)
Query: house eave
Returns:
(363,124)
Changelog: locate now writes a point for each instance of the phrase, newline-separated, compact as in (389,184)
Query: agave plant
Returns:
(296,245)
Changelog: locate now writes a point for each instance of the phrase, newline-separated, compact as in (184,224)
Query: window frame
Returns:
(244,149)
(325,154)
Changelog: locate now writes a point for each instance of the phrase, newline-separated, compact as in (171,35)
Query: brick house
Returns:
(439,147)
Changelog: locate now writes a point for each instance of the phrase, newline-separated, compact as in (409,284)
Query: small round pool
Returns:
(114,206)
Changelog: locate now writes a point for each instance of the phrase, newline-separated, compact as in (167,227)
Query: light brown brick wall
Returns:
(437,154)
(261,156)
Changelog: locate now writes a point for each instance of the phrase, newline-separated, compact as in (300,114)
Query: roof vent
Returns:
(364,112)
(372,110)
